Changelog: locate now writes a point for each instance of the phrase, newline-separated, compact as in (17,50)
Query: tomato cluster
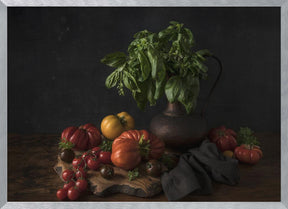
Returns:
(245,149)
(75,184)
(119,145)
(75,180)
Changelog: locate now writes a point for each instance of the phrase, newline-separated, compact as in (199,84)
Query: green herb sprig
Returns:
(106,145)
(133,174)
(247,136)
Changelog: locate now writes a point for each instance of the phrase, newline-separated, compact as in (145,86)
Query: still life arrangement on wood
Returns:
(178,155)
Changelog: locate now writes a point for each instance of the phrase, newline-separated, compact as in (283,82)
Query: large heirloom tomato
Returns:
(134,145)
(84,137)
(225,139)
(113,125)
(250,154)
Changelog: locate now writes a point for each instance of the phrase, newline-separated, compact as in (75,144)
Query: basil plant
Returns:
(157,64)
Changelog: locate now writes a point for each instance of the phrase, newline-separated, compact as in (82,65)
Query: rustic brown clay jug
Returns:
(179,130)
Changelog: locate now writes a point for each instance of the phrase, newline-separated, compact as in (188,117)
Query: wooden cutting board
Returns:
(144,186)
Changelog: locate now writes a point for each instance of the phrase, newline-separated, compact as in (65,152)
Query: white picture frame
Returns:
(147,205)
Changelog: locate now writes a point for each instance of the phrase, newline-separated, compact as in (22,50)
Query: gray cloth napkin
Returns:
(196,169)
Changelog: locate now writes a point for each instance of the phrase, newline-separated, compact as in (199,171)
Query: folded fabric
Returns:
(196,169)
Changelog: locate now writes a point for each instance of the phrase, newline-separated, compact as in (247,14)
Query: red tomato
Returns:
(215,133)
(78,163)
(73,193)
(68,174)
(96,151)
(225,139)
(68,185)
(85,137)
(134,145)
(226,142)
(81,184)
(93,163)
(105,157)
(61,194)
(248,154)
(86,155)
(80,173)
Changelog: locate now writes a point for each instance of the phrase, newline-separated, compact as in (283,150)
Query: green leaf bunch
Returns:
(133,174)
(247,136)
(106,145)
(159,63)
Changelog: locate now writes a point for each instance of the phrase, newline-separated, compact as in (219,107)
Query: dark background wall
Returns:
(55,78)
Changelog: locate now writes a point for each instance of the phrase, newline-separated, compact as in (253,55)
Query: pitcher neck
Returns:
(174,109)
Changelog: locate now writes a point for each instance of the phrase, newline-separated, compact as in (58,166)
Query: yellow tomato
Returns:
(114,125)
(228,153)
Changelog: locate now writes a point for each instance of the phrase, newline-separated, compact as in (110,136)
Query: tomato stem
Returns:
(144,146)
(122,120)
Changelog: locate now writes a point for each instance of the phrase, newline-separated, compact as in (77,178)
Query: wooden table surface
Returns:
(31,176)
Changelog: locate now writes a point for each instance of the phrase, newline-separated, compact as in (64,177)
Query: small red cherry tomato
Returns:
(105,157)
(86,155)
(80,173)
(93,163)
(81,184)
(95,151)
(73,193)
(61,194)
(68,174)
(68,185)
(78,163)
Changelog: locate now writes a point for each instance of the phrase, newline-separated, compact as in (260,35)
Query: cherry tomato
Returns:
(78,163)
(68,185)
(86,155)
(61,194)
(96,151)
(68,174)
(105,157)
(80,173)
(81,184)
(153,168)
(67,155)
(73,193)
(93,163)
(107,171)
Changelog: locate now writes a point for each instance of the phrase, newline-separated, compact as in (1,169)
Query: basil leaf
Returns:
(150,93)
(202,53)
(129,81)
(159,89)
(189,36)
(112,79)
(172,88)
(153,58)
(115,59)
(160,80)
(145,66)
(141,97)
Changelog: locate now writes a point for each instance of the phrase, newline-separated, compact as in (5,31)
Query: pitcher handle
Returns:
(214,84)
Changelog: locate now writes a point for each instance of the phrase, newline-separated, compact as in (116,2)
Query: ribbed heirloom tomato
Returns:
(113,125)
(225,139)
(248,154)
(84,137)
(134,145)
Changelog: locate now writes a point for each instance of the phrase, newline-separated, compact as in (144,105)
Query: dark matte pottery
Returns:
(177,129)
